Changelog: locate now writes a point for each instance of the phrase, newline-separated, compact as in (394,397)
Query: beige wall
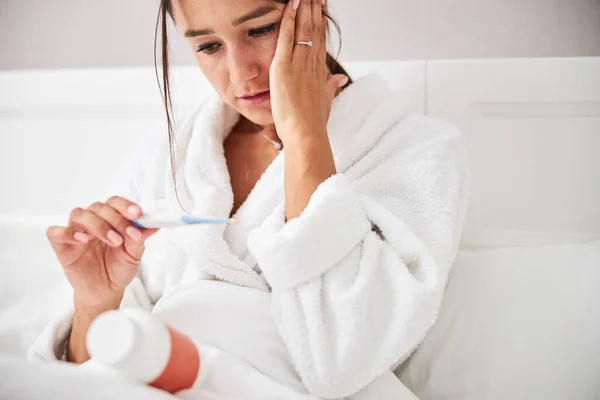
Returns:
(102,33)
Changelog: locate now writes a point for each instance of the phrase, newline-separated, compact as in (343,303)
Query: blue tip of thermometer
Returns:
(167,221)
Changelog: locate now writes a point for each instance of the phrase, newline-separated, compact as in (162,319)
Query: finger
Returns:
(134,237)
(318,25)
(136,249)
(126,208)
(285,41)
(323,33)
(305,27)
(131,211)
(88,222)
(146,233)
(120,224)
(60,236)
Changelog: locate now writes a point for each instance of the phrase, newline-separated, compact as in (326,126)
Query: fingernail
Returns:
(81,237)
(114,238)
(343,81)
(323,2)
(134,211)
(295,4)
(133,233)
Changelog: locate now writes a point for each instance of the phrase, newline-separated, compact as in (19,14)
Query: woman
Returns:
(349,210)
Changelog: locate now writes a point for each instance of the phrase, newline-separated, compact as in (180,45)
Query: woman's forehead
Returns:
(208,14)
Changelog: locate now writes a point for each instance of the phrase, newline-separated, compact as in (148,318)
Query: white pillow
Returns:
(516,323)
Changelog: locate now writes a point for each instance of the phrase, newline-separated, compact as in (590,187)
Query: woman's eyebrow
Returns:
(259,12)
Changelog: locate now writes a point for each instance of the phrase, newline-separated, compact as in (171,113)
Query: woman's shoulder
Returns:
(398,106)
(425,126)
(425,135)
(415,134)
(185,119)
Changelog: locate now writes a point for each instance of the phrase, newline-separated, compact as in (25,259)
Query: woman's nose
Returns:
(242,68)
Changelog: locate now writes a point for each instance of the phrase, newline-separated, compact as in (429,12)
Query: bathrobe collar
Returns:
(204,188)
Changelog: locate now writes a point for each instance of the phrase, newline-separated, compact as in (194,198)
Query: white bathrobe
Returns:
(357,280)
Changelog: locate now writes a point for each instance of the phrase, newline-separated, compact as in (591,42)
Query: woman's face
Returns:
(234,42)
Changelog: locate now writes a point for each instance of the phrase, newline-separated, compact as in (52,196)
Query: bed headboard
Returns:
(532,128)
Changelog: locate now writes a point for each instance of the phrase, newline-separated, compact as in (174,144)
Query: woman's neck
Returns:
(246,126)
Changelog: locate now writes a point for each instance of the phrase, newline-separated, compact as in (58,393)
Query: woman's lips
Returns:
(255,100)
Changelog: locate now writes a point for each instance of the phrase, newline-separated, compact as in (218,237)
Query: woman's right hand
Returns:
(100,250)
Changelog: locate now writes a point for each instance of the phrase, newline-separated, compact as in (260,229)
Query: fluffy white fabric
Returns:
(357,280)
(235,318)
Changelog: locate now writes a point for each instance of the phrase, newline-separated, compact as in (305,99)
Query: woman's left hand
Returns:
(302,89)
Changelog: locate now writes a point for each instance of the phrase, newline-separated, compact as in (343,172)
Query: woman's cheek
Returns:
(269,50)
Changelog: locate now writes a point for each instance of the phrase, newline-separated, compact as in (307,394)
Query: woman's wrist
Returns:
(300,136)
(83,316)
(84,309)
(308,162)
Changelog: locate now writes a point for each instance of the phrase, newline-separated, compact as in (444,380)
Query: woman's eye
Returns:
(265,30)
(208,48)
(211,48)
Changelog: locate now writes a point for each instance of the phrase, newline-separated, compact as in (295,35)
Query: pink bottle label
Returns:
(182,368)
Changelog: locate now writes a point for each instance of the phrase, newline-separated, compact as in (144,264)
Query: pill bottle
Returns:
(139,346)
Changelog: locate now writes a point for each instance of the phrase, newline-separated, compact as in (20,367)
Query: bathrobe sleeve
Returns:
(52,343)
(357,279)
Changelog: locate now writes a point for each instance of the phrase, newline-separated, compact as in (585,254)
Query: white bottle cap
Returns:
(131,341)
(112,337)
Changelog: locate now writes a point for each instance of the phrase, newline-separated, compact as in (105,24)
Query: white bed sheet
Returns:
(32,286)
(61,381)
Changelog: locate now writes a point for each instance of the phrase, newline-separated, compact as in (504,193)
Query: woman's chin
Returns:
(259,117)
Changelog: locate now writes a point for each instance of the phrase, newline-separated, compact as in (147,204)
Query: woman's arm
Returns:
(308,162)
(82,319)
(358,277)
(64,337)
